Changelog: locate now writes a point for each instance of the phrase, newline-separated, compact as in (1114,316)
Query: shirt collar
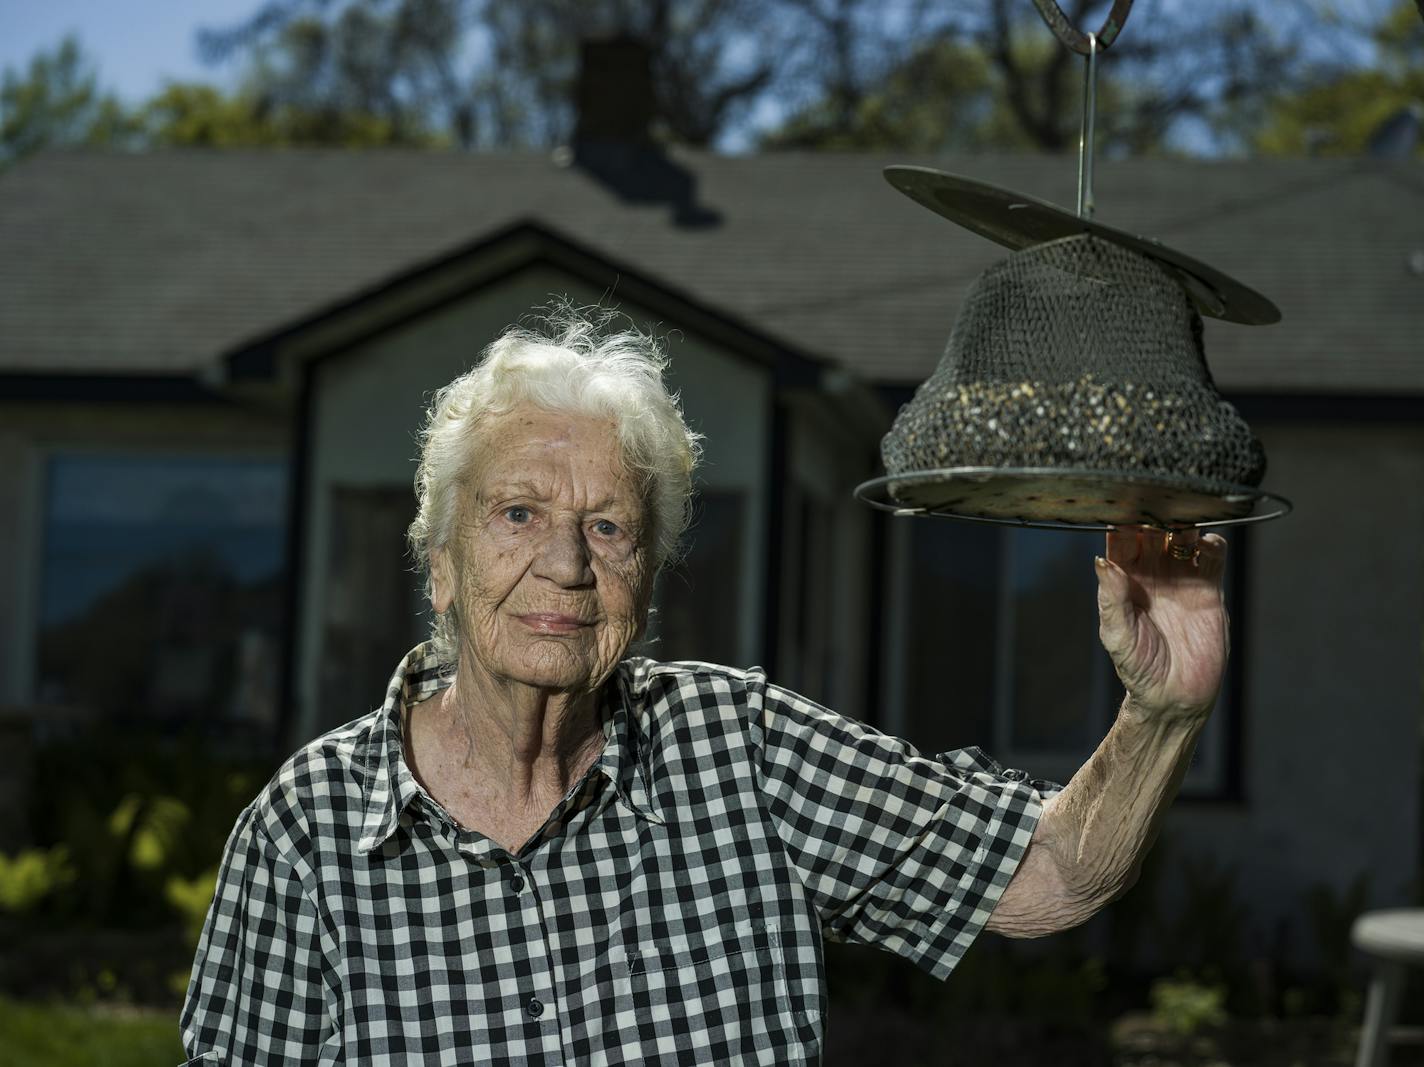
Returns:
(625,752)
(390,785)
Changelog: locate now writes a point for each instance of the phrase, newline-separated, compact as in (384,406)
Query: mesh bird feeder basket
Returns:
(1074,391)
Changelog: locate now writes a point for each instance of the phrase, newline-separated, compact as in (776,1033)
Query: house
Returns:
(212,366)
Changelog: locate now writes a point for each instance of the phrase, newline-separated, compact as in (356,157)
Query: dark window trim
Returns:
(299,481)
(778,466)
(108,389)
(877,589)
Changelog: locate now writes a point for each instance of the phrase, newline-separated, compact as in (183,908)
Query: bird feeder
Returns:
(1074,391)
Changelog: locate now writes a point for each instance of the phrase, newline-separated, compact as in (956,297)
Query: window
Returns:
(997,645)
(161,588)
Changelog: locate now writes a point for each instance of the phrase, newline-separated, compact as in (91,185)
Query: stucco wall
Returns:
(1332,706)
(369,400)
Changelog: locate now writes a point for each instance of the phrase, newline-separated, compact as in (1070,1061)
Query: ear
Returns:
(442,581)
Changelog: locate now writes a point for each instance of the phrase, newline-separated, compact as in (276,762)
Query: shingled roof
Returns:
(161,263)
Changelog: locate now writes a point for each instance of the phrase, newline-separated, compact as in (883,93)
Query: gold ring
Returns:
(1181,551)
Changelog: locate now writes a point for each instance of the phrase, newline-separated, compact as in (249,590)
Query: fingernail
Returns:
(1100,563)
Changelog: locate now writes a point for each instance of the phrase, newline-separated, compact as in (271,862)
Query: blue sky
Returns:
(137,45)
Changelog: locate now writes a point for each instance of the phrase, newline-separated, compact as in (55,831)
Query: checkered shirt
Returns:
(671,909)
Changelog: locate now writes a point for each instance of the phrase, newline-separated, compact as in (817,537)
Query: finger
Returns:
(1114,605)
(1212,560)
(1181,550)
(1122,544)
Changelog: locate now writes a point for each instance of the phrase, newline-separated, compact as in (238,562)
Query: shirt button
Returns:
(516,883)
(535,1007)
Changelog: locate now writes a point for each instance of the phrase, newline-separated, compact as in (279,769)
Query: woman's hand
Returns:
(1163,620)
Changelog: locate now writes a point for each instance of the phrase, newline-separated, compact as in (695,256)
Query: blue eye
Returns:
(517,514)
(606,528)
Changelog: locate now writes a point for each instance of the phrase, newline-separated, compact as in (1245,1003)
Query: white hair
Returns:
(576,365)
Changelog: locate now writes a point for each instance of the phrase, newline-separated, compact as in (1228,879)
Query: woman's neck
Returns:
(526,744)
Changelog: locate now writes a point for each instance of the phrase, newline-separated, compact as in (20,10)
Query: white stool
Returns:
(1393,939)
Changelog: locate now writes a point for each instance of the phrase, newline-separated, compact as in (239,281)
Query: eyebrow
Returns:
(505,490)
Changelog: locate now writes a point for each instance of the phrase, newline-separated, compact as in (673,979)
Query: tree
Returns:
(1347,112)
(57,103)
(939,98)
(492,74)
(189,114)
(991,75)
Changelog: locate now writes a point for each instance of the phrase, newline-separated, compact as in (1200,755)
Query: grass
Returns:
(64,1035)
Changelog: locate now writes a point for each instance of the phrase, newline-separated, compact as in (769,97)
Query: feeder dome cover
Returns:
(1074,389)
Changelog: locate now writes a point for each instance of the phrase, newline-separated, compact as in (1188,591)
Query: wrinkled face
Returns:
(550,567)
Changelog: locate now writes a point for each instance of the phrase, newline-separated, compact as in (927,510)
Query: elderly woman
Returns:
(543,849)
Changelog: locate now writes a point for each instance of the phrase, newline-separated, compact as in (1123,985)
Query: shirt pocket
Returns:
(713,996)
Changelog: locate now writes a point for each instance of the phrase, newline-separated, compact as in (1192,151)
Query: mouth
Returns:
(552,623)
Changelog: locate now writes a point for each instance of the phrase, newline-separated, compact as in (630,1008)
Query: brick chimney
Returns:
(614,94)
(613,136)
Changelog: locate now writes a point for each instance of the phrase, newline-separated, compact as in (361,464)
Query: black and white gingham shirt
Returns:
(670,910)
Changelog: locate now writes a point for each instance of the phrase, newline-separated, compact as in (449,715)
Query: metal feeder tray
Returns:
(1079,499)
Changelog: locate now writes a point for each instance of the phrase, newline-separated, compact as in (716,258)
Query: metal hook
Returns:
(1078,41)
(1086,135)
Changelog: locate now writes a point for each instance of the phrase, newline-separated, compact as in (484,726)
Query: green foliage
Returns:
(939,98)
(144,826)
(151,829)
(56,102)
(1340,114)
(191,898)
(196,115)
(40,1035)
(1186,1006)
(33,875)
(114,900)
(948,96)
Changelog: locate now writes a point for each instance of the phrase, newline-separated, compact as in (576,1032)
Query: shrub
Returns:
(1185,1006)
(190,898)
(32,876)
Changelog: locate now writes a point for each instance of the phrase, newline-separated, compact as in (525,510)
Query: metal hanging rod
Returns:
(1087,136)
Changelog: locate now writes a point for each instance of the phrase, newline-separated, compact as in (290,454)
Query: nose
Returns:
(563,556)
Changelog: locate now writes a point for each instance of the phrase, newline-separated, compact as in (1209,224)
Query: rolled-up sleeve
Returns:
(896,849)
(257,993)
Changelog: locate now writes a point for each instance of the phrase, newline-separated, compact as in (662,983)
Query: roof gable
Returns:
(458,274)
